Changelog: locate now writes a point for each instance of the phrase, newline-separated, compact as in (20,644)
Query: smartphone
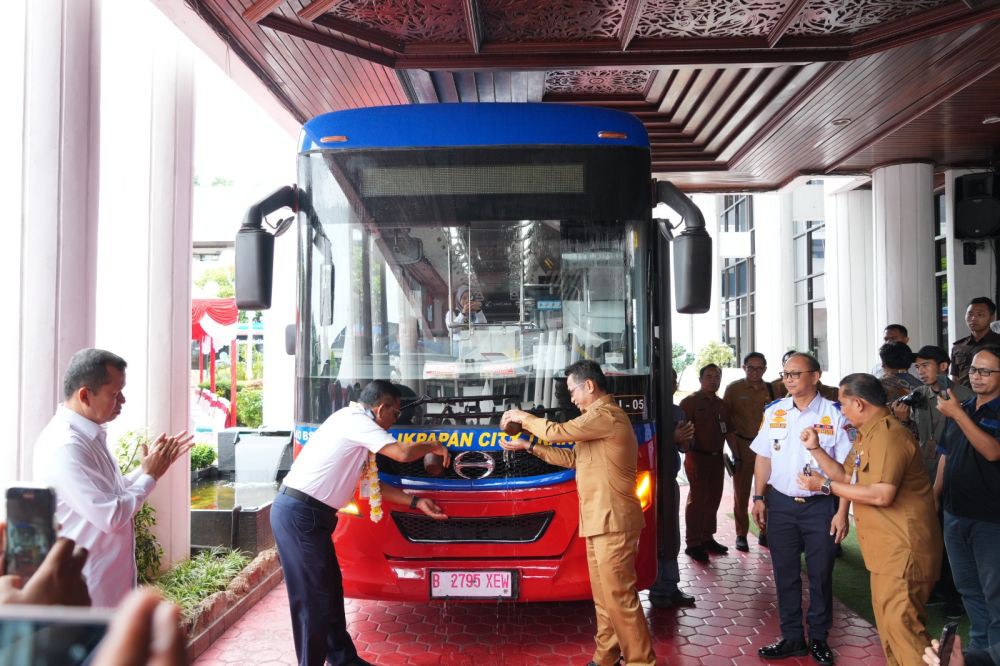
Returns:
(31,529)
(947,642)
(942,388)
(50,635)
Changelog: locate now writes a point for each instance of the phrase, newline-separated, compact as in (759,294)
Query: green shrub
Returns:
(202,456)
(148,551)
(221,385)
(250,408)
(203,575)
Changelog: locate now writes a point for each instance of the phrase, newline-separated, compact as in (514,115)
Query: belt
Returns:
(803,500)
(308,500)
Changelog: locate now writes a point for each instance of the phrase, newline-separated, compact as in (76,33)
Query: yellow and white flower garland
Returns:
(374,490)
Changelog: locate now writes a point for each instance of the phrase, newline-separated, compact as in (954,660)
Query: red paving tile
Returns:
(736,613)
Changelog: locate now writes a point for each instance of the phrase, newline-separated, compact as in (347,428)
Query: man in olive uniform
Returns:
(605,455)
(704,466)
(893,509)
(744,401)
(978,317)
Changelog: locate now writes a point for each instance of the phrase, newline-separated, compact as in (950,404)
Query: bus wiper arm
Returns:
(454,400)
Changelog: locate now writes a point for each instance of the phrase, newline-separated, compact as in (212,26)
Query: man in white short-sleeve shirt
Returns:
(799,520)
(95,502)
(304,515)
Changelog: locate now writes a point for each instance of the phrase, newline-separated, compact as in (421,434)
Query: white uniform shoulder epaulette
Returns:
(773,403)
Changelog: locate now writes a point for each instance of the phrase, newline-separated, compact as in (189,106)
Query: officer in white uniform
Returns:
(797,520)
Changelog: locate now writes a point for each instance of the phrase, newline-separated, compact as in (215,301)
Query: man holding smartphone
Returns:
(894,511)
(96,503)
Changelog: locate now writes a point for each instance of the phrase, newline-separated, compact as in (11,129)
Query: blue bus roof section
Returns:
(484,124)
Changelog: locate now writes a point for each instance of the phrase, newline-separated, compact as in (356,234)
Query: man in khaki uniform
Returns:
(605,457)
(744,401)
(894,511)
(703,465)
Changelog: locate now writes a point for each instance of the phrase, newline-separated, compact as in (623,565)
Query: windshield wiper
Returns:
(454,400)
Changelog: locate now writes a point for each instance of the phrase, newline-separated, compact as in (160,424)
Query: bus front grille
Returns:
(509,466)
(525,528)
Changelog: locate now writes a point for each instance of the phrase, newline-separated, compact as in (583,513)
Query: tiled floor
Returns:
(735,614)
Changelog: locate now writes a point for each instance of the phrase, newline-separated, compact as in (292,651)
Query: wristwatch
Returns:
(826,487)
(413,501)
(758,497)
(531,447)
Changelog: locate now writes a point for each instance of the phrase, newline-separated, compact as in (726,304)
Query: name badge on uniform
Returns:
(824,427)
(778,428)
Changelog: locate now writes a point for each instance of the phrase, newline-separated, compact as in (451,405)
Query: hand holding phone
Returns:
(947,642)
(31,529)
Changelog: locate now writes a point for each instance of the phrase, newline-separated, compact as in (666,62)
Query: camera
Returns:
(914,400)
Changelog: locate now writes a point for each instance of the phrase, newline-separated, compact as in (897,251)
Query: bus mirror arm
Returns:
(692,251)
(255,249)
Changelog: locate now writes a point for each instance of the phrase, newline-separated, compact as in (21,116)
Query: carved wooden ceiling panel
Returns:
(735,94)
(534,21)
(829,17)
(411,20)
(696,18)
(598,81)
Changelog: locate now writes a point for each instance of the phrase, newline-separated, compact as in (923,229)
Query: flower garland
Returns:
(374,490)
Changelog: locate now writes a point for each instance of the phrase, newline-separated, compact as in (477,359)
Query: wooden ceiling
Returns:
(736,94)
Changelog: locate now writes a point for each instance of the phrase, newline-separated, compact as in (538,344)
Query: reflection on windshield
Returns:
(468,318)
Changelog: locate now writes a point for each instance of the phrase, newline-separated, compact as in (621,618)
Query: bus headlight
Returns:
(351,508)
(643,489)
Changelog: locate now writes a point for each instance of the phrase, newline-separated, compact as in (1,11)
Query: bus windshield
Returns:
(478,293)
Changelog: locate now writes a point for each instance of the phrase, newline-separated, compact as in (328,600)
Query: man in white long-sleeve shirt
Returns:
(96,503)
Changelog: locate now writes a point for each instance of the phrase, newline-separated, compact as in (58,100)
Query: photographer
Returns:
(919,412)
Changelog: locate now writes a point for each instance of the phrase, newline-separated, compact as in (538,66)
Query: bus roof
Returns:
(487,124)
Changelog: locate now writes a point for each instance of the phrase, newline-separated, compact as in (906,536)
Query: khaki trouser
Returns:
(706,475)
(742,485)
(900,617)
(621,624)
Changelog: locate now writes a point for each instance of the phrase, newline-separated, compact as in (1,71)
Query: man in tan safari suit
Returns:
(605,456)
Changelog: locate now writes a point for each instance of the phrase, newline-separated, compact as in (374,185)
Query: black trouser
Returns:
(304,534)
(794,528)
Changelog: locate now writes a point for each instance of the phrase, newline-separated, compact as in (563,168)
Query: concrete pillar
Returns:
(965,281)
(903,200)
(48,183)
(850,288)
(774,323)
(144,243)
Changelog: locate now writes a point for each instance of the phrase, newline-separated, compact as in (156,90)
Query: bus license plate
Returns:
(483,584)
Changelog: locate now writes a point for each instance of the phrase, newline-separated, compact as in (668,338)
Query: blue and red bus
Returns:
(470,252)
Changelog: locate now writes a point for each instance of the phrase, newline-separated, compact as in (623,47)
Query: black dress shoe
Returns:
(672,600)
(742,545)
(697,553)
(715,547)
(762,540)
(783,649)
(821,653)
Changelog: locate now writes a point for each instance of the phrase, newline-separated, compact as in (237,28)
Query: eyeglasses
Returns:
(572,389)
(755,368)
(982,372)
(793,374)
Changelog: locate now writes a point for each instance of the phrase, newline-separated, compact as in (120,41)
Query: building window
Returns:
(738,278)
(941,270)
(809,250)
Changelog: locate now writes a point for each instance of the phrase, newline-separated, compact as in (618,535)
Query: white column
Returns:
(144,270)
(850,288)
(965,281)
(48,182)
(774,323)
(903,199)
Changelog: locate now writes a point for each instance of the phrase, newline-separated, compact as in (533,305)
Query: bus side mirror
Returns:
(254,268)
(693,271)
(692,251)
(255,249)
